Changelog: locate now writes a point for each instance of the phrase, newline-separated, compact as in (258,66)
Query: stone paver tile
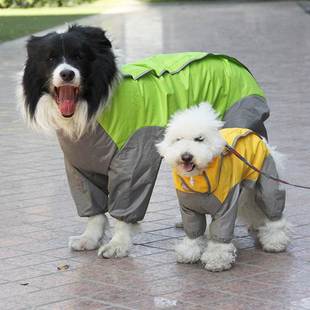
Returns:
(18,274)
(144,250)
(51,280)
(13,289)
(285,294)
(241,287)
(199,296)
(28,260)
(79,304)
(164,257)
(117,295)
(162,302)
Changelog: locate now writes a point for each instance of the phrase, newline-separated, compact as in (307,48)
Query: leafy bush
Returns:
(38,3)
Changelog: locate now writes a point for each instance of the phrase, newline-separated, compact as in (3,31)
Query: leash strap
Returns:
(233,151)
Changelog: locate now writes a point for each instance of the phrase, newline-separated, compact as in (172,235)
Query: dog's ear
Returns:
(34,43)
(94,34)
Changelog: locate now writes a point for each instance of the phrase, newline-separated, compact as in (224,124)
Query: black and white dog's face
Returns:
(67,79)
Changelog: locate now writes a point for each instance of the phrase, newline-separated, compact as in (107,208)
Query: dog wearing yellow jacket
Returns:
(211,180)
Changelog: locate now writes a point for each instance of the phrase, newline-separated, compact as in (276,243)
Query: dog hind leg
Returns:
(274,234)
(91,238)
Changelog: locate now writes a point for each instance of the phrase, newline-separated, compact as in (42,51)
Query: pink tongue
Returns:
(66,100)
(188,167)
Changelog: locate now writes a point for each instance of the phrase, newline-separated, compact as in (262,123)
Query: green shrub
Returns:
(38,3)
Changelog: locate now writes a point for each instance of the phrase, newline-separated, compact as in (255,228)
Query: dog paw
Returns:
(189,251)
(275,244)
(113,249)
(275,236)
(83,243)
(219,256)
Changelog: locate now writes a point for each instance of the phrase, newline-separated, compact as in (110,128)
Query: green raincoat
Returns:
(114,168)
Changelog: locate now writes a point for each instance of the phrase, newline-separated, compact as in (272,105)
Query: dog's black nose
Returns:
(67,75)
(187,157)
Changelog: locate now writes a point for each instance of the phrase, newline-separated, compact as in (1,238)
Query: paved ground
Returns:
(38,215)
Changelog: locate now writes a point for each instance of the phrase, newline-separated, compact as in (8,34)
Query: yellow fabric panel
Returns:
(233,171)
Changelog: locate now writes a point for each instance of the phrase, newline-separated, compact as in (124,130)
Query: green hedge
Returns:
(38,3)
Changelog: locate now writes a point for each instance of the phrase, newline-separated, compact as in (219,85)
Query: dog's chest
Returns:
(92,153)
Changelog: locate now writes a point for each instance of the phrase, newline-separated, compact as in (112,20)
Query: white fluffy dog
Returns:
(211,180)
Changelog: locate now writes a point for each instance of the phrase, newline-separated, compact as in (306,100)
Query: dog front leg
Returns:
(120,242)
(219,256)
(90,239)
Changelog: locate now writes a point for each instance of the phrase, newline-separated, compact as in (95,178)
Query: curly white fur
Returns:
(274,236)
(219,256)
(189,251)
(181,134)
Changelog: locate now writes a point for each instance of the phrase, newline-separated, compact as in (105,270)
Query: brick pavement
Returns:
(38,215)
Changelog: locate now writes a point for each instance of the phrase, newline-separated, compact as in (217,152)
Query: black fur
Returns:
(85,48)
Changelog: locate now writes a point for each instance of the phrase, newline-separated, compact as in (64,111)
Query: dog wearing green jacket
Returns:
(210,180)
(108,120)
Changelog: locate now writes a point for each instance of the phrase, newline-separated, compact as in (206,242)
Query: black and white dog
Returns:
(75,70)
(68,79)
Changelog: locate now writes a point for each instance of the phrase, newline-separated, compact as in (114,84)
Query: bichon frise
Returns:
(209,179)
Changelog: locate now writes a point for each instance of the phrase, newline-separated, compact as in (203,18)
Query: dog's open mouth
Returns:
(66,97)
(188,167)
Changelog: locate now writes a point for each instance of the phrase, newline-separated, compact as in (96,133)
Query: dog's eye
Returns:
(199,139)
(51,58)
(178,139)
(77,57)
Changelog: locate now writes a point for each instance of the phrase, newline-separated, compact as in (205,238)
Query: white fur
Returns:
(48,118)
(92,236)
(120,242)
(219,256)
(189,251)
(274,236)
(180,135)
(57,80)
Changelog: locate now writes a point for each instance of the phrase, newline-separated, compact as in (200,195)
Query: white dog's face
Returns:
(192,140)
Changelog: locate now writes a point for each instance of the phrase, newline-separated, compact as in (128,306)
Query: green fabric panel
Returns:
(155,88)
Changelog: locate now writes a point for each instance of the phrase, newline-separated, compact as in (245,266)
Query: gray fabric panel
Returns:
(88,190)
(269,197)
(223,223)
(132,175)
(200,203)
(250,112)
(194,223)
(93,152)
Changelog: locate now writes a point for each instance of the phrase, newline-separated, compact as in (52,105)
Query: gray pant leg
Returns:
(89,191)
(269,197)
(223,222)
(194,223)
